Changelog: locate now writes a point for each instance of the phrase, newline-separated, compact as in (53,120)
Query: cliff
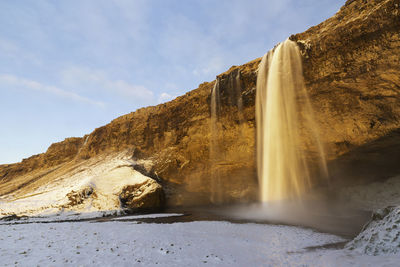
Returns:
(351,70)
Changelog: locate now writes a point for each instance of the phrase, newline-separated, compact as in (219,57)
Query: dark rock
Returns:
(147,172)
(382,213)
(148,196)
(13,217)
(78,197)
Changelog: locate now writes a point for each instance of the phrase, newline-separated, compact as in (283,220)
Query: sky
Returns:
(68,67)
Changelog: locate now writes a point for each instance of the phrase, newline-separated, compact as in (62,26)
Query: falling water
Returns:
(215,105)
(216,194)
(232,89)
(283,114)
(236,85)
(83,145)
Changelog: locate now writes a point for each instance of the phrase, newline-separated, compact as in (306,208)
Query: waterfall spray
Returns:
(283,114)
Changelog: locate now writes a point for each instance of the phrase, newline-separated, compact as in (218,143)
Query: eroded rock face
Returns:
(142,197)
(351,70)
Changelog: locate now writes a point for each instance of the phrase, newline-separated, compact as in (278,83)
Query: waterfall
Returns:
(83,145)
(283,116)
(236,85)
(230,87)
(216,194)
(215,106)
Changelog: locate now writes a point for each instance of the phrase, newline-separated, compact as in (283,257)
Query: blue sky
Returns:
(67,67)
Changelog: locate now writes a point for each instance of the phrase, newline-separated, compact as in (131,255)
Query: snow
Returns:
(54,235)
(205,243)
(107,176)
(73,217)
(381,235)
(147,216)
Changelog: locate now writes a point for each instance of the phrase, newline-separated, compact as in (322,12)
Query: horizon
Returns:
(65,72)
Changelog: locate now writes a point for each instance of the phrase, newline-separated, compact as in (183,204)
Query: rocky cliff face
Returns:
(352,72)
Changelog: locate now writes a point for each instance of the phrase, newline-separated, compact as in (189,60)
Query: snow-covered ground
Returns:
(200,243)
(56,235)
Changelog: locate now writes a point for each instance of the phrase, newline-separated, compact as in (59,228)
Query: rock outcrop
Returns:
(146,196)
(381,235)
(352,72)
(78,197)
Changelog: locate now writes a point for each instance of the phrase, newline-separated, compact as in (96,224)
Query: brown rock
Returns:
(78,197)
(142,197)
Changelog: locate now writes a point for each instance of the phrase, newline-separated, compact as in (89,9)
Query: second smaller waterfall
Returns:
(226,113)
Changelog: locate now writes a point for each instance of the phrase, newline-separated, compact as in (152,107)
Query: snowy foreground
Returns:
(127,241)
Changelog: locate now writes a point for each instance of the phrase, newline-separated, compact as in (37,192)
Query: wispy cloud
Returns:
(99,80)
(165,97)
(14,81)
(10,50)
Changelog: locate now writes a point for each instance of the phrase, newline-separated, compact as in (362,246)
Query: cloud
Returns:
(165,97)
(10,50)
(89,79)
(214,66)
(11,80)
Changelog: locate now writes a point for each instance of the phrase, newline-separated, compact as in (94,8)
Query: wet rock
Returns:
(147,196)
(13,217)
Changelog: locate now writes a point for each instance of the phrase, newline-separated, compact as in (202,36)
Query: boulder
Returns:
(146,196)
